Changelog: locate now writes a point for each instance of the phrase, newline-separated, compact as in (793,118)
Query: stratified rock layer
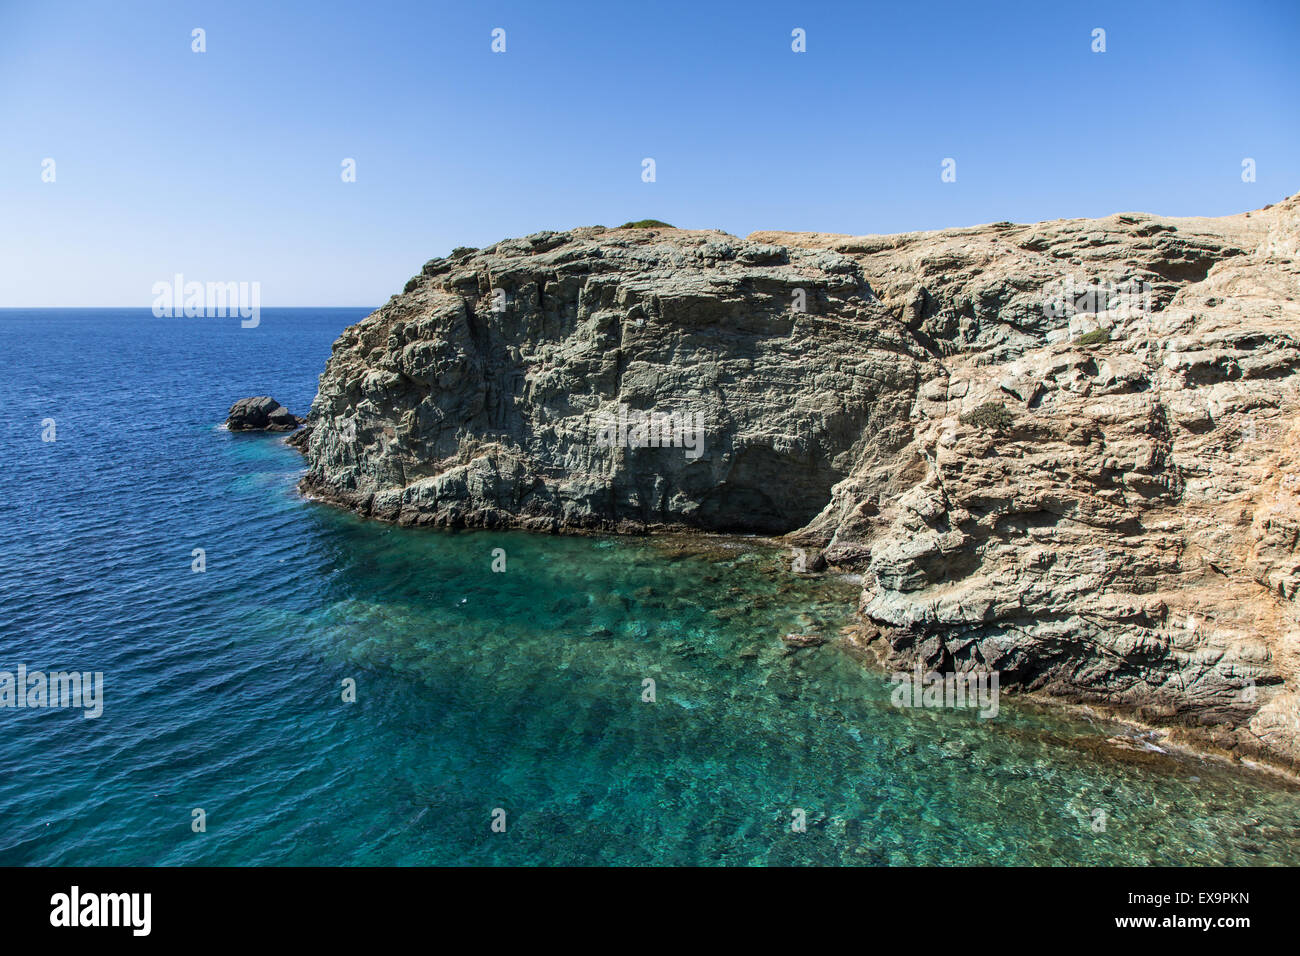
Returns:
(1123,527)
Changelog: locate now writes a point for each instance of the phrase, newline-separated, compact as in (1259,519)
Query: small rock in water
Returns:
(803,640)
(261,413)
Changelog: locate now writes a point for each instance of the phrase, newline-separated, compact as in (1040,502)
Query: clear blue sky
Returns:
(225,166)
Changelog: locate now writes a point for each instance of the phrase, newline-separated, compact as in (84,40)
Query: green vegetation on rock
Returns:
(1095,337)
(989,415)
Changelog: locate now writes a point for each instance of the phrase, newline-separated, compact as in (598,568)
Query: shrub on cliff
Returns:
(1095,337)
(647,224)
(989,415)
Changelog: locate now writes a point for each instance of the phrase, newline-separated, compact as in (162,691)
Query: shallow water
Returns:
(477,690)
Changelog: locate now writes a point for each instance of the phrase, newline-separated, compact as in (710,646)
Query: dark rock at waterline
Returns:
(261,413)
(299,438)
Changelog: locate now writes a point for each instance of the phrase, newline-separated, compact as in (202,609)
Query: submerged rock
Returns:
(261,413)
(1120,525)
(803,640)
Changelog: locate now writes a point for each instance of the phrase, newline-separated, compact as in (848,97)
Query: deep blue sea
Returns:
(477,691)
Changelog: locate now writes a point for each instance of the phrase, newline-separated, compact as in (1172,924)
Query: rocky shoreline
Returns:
(1065,451)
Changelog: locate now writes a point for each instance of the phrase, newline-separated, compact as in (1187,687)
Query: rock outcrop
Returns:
(261,413)
(1120,523)
(507,386)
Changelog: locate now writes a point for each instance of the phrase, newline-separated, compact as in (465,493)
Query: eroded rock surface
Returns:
(477,397)
(1126,529)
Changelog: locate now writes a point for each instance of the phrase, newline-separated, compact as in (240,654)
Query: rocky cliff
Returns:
(1069,451)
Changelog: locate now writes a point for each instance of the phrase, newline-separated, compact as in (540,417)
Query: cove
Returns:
(476,690)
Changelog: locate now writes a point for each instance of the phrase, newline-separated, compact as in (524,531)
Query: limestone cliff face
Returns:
(1121,524)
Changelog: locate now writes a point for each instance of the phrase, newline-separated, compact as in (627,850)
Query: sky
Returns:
(227,165)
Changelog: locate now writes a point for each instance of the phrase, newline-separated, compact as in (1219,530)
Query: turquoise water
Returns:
(476,690)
